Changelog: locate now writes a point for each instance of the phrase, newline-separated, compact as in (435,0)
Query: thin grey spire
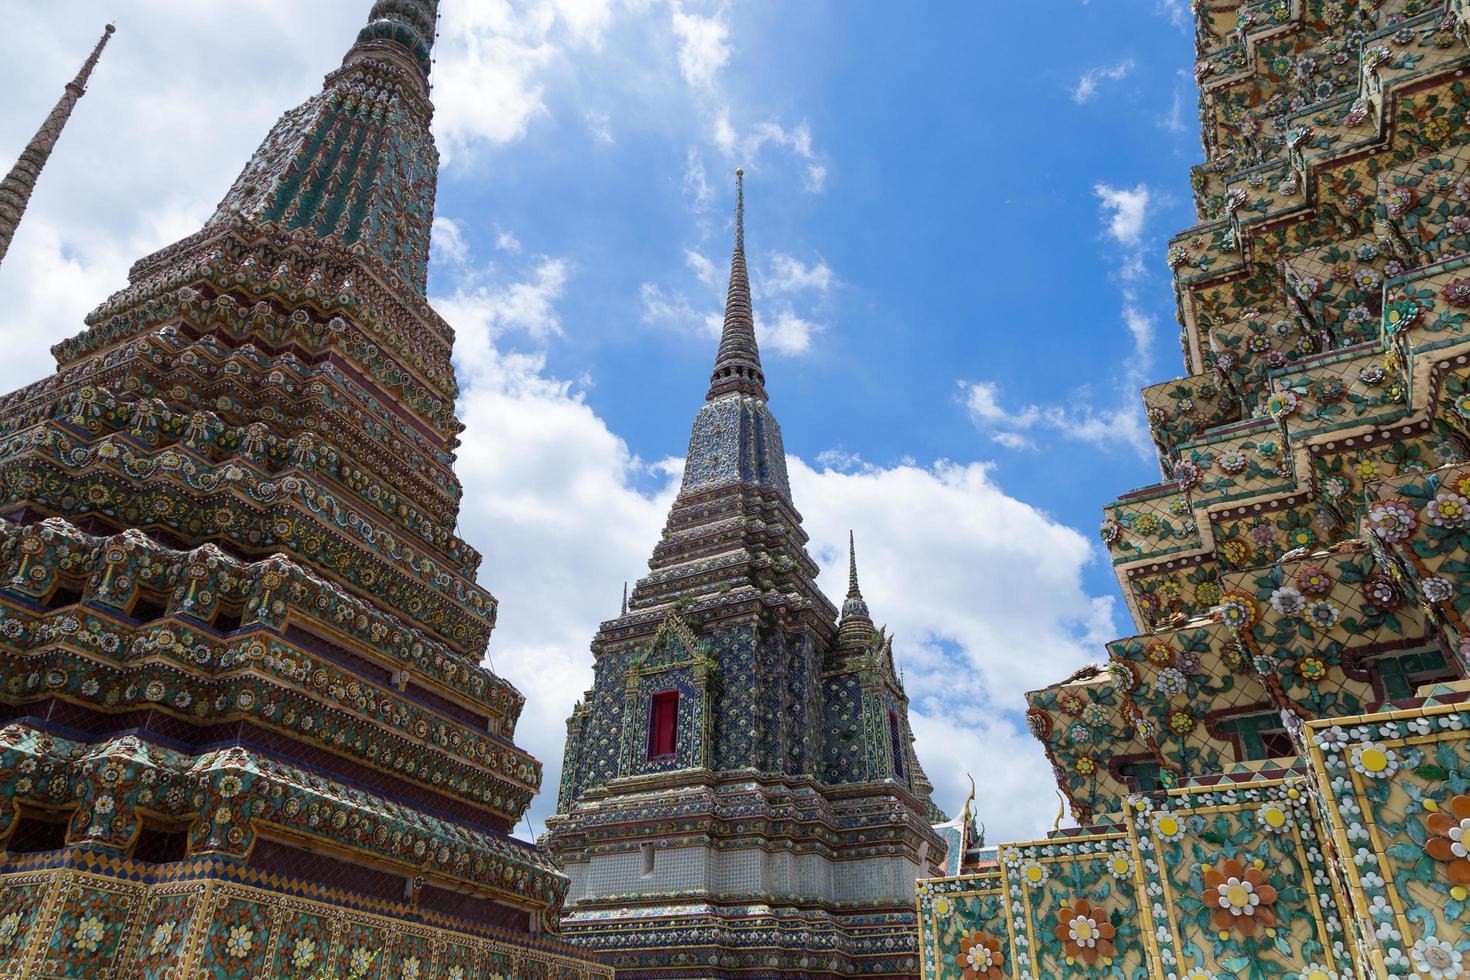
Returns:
(738,365)
(16,188)
(854,608)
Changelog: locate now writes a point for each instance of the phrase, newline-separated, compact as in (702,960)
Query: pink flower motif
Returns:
(1399,200)
(1392,520)
(1313,580)
(1381,591)
(1448,509)
(1457,292)
(1263,534)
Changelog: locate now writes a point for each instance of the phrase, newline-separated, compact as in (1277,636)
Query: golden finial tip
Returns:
(739,171)
(111,28)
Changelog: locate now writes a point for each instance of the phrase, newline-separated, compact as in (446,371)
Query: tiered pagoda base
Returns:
(745,877)
(1272,776)
(78,912)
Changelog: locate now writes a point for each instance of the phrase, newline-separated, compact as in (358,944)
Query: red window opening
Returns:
(663,724)
(894,739)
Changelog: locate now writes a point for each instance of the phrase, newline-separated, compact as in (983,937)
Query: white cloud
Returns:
(703,268)
(1125,210)
(982,398)
(483,311)
(786,333)
(1086,86)
(1141,329)
(703,46)
(1012,440)
(1174,120)
(748,148)
(447,241)
(841,460)
(1080,421)
(724,134)
(696,182)
(928,577)
(506,241)
(487,86)
(494,59)
(585,19)
(598,124)
(791,275)
(676,311)
(1176,10)
(780,328)
(1118,422)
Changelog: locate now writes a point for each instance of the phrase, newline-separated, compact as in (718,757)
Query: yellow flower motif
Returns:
(1436,129)
(1274,818)
(1168,826)
(239,942)
(9,926)
(303,953)
(88,936)
(162,936)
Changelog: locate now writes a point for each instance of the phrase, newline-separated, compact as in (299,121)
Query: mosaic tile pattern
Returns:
(784,833)
(247,728)
(1270,776)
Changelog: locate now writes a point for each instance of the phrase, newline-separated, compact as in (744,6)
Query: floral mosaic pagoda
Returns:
(246,731)
(1272,778)
(740,795)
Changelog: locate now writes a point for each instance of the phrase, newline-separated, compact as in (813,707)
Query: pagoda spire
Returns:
(738,364)
(356,164)
(855,619)
(16,188)
(396,28)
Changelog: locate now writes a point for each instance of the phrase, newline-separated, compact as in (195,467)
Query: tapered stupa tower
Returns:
(16,188)
(246,730)
(739,793)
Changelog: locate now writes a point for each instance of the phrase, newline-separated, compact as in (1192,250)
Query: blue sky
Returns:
(955,221)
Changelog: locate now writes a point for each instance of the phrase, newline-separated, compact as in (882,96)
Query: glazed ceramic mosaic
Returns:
(246,730)
(783,830)
(1270,778)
